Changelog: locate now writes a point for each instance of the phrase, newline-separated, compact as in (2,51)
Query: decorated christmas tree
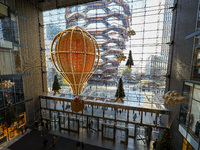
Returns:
(56,86)
(11,115)
(165,143)
(120,91)
(129,62)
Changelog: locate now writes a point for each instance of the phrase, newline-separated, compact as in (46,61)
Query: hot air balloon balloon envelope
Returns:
(73,53)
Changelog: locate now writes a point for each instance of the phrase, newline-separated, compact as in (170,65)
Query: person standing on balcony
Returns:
(134,116)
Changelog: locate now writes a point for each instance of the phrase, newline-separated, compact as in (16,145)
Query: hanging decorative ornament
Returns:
(130,33)
(173,98)
(129,62)
(73,53)
(121,57)
(6,84)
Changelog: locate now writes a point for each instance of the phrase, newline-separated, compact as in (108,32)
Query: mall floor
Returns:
(33,140)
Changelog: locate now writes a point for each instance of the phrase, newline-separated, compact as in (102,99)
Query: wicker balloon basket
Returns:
(77,106)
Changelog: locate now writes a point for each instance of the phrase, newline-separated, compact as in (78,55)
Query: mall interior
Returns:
(161,37)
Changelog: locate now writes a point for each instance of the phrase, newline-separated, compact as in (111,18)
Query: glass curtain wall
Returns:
(110,22)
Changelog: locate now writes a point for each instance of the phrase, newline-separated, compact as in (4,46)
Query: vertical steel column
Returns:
(68,123)
(50,119)
(78,126)
(115,115)
(135,134)
(92,110)
(87,122)
(97,124)
(41,63)
(114,133)
(156,119)
(127,129)
(103,112)
(59,123)
(102,126)
(169,69)
(64,121)
(127,116)
(126,132)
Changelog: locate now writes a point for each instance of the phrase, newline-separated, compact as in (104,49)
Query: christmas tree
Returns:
(56,85)
(129,62)
(165,143)
(120,91)
(11,115)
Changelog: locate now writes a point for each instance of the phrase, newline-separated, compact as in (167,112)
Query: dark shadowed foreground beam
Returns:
(54,4)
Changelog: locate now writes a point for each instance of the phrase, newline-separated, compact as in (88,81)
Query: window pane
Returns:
(194,121)
(196,93)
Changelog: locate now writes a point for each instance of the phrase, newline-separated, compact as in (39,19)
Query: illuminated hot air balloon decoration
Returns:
(75,54)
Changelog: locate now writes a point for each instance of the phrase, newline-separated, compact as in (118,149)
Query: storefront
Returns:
(7,133)
(189,119)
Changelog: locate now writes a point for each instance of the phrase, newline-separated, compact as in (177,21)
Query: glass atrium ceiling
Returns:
(109,21)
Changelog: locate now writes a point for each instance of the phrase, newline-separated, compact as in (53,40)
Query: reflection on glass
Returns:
(148,118)
(59,105)
(108,131)
(87,109)
(185,107)
(50,104)
(196,93)
(98,111)
(109,112)
(43,103)
(121,114)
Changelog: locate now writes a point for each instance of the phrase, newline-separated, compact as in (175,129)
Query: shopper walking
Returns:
(47,126)
(134,116)
(120,111)
(53,141)
(26,127)
(22,130)
(154,144)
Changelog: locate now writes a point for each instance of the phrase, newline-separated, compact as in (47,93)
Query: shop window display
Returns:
(190,109)
(8,28)
(13,94)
